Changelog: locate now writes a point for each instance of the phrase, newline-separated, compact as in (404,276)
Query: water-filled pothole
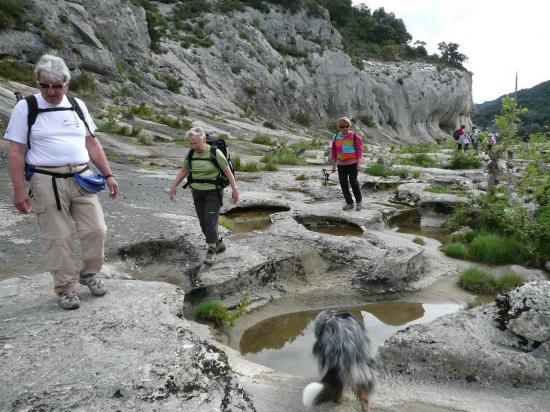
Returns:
(378,186)
(410,221)
(285,342)
(329,225)
(241,220)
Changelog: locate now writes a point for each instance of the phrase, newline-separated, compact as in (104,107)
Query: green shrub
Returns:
(270,167)
(82,83)
(142,111)
(508,280)
(264,139)
(462,160)
(367,120)
(495,249)
(420,159)
(477,280)
(211,311)
(173,84)
(269,124)
(303,119)
(122,92)
(53,40)
(18,71)
(377,169)
(419,240)
(419,148)
(456,250)
(250,90)
(302,177)
(471,235)
(284,156)
(437,189)
(11,13)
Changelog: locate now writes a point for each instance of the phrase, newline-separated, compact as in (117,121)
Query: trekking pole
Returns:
(326,175)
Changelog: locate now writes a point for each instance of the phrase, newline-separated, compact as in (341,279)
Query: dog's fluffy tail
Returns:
(316,393)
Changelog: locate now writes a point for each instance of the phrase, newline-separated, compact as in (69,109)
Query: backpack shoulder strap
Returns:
(213,157)
(79,112)
(32,105)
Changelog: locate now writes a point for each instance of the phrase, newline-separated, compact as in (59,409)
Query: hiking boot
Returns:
(210,256)
(69,300)
(94,283)
(358,206)
(348,206)
(220,246)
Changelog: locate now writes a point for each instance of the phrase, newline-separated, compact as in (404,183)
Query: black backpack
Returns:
(457,134)
(221,180)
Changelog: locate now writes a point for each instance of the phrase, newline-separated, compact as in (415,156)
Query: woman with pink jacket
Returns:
(347,152)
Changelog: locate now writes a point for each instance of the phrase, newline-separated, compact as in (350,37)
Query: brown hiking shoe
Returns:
(94,283)
(69,300)
(220,246)
(348,206)
(358,206)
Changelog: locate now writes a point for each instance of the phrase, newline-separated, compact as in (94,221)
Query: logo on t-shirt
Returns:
(68,122)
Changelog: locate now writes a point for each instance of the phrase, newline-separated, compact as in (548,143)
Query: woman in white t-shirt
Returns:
(60,144)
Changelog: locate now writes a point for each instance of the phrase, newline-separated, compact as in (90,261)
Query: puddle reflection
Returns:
(285,342)
(248,220)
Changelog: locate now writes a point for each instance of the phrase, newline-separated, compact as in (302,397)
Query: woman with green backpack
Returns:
(202,166)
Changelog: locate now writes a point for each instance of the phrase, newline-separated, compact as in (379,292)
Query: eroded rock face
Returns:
(472,346)
(404,101)
(128,350)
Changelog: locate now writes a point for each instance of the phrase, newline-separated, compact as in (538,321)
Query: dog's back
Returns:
(343,352)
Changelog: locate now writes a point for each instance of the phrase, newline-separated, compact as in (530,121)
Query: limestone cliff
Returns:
(277,65)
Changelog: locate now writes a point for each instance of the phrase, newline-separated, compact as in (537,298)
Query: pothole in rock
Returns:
(329,225)
(174,261)
(285,342)
(410,221)
(242,220)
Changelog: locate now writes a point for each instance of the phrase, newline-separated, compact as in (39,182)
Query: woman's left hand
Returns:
(235,195)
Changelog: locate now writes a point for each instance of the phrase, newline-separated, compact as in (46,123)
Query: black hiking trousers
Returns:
(349,172)
(207,206)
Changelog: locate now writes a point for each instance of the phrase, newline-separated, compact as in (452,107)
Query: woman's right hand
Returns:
(173,190)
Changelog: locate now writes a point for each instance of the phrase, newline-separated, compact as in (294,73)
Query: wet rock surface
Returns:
(504,343)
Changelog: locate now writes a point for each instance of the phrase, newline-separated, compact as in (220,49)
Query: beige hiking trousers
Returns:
(56,228)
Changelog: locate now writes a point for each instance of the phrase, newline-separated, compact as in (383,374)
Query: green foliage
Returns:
(302,177)
(377,169)
(212,311)
(53,40)
(270,125)
(11,13)
(283,154)
(142,111)
(479,281)
(18,71)
(468,160)
(419,148)
(303,119)
(264,139)
(451,55)
(419,240)
(82,84)
(495,249)
(173,84)
(420,159)
(250,90)
(187,9)
(456,250)
(286,49)
(508,119)
(367,120)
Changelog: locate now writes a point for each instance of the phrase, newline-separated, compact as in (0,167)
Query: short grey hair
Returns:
(196,132)
(53,67)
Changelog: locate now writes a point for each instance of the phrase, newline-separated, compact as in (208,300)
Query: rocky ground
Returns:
(135,349)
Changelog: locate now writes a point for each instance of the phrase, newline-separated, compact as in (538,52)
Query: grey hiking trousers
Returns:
(207,206)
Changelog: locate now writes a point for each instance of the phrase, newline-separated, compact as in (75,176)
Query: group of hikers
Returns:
(475,137)
(51,143)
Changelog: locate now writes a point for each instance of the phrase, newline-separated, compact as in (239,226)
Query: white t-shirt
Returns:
(57,138)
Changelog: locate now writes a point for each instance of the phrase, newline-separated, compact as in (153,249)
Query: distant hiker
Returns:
(464,140)
(491,140)
(526,138)
(347,153)
(474,139)
(52,141)
(207,192)
(456,135)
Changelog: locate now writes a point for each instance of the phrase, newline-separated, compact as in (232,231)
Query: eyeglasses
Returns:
(343,127)
(46,86)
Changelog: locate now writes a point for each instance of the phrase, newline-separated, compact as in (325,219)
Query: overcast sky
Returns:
(499,37)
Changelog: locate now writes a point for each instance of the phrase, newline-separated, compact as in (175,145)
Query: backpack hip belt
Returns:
(30,170)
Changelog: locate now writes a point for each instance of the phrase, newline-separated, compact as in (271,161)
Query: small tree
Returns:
(451,55)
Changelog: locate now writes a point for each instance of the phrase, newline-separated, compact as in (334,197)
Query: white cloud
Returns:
(499,37)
